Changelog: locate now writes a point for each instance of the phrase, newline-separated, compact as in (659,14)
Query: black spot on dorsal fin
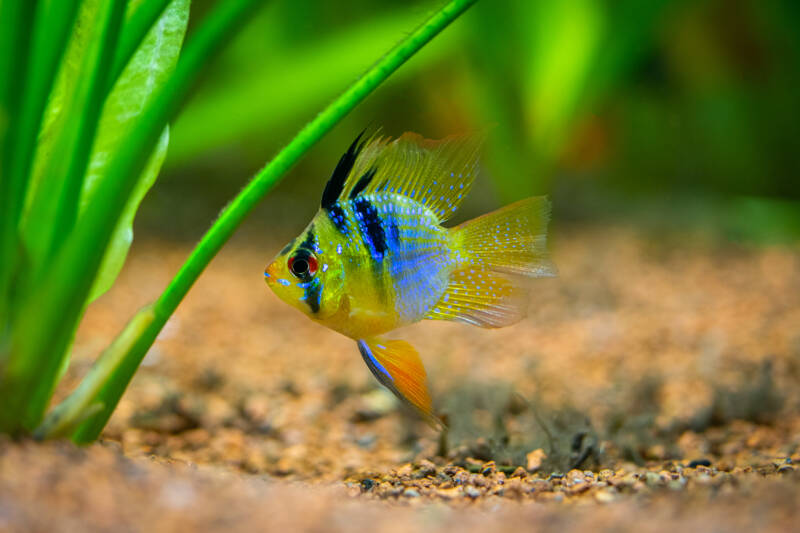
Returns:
(363,182)
(335,185)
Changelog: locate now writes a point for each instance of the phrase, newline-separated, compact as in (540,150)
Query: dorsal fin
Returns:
(333,189)
(438,174)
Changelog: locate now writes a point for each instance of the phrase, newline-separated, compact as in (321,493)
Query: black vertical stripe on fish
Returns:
(310,242)
(338,217)
(372,227)
(335,185)
(363,182)
(312,294)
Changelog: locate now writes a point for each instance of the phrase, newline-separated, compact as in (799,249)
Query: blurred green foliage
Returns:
(606,104)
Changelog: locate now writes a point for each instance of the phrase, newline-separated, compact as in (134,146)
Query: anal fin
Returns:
(397,366)
(482,298)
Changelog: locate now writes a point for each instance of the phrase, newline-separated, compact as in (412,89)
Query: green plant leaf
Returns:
(83,107)
(147,70)
(49,33)
(69,130)
(120,243)
(55,302)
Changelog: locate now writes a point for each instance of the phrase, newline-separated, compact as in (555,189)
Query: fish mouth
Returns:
(270,273)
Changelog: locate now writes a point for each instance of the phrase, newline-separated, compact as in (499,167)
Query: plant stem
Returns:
(233,215)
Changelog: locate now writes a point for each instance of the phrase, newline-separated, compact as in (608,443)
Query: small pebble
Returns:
(605,496)
(519,472)
(425,469)
(367,441)
(699,462)
(677,484)
(489,468)
(449,494)
(651,478)
(534,459)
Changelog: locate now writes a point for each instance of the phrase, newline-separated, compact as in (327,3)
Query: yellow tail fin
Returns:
(512,239)
(398,367)
(498,248)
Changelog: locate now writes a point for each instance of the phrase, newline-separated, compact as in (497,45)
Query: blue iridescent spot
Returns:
(284,282)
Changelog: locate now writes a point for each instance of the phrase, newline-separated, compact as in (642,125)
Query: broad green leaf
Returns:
(147,71)
(117,249)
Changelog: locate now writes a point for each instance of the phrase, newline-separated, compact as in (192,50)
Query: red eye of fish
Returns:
(303,265)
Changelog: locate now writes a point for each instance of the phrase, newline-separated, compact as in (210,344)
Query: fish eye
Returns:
(303,265)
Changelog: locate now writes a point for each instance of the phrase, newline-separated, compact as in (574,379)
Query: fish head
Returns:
(307,278)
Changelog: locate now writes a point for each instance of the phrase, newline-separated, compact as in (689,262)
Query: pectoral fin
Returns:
(398,367)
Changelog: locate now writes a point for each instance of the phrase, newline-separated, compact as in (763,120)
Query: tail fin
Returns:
(512,239)
(497,248)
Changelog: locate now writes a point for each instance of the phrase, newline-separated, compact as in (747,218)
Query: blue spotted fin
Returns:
(397,366)
(499,249)
(437,174)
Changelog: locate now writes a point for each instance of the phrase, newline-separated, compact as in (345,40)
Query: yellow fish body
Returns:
(375,256)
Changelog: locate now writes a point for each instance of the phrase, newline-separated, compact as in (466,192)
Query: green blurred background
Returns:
(666,114)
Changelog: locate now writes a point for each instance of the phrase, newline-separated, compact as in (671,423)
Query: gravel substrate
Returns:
(655,385)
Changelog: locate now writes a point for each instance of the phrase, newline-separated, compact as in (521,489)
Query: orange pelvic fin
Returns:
(398,367)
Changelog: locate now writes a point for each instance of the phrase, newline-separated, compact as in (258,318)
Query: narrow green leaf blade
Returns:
(147,70)
(68,130)
(15,20)
(55,303)
(32,369)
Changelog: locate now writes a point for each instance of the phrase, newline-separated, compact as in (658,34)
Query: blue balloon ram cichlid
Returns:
(375,257)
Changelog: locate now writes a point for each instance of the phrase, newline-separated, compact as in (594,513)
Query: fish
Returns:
(376,257)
